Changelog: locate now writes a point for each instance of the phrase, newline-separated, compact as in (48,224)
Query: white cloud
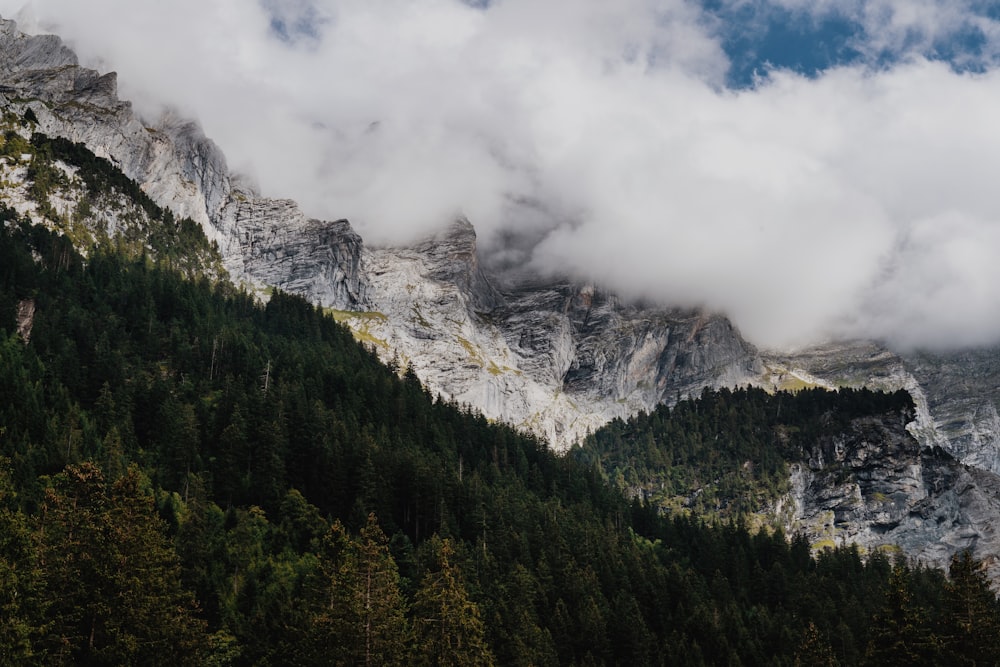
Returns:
(859,203)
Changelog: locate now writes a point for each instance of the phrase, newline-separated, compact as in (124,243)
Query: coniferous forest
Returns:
(726,454)
(191,477)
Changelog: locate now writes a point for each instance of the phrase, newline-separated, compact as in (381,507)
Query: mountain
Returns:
(551,356)
(535,354)
(194,471)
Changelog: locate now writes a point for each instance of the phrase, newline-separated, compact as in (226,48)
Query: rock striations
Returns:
(552,356)
(876,487)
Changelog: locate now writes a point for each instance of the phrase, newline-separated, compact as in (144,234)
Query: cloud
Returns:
(599,139)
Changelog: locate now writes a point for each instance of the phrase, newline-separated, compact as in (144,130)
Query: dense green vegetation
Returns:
(189,477)
(727,453)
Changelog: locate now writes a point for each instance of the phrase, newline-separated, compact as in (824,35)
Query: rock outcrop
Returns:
(957,394)
(875,486)
(182,170)
(554,357)
(279,246)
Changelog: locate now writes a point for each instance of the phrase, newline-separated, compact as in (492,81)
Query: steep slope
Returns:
(148,464)
(554,357)
(839,467)
(874,486)
(551,356)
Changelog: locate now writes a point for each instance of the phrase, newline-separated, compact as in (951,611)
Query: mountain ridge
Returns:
(551,356)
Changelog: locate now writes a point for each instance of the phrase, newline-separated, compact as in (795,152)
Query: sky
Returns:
(815,169)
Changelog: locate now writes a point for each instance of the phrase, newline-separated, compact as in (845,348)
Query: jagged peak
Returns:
(21,51)
(453,255)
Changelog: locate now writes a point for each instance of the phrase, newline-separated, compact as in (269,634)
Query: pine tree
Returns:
(447,628)
(113,580)
(971,625)
(814,650)
(21,608)
(901,633)
(361,614)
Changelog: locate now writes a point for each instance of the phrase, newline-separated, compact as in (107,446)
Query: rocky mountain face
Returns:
(182,170)
(957,394)
(926,484)
(552,356)
(876,486)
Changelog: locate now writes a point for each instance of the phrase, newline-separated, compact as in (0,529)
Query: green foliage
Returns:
(903,632)
(113,591)
(447,626)
(358,613)
(181,244)
(14,145)
(971,626)
(22,618)
(29,117)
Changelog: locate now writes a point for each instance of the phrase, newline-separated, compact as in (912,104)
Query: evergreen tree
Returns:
(113,580)
(814,650)
(971,625)
(447,628)
(21,607)
(901,633)
(363,620)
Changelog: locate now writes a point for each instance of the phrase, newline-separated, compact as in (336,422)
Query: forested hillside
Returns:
(727,453)
(191,477)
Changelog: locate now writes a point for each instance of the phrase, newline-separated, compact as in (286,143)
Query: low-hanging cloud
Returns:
(860,202)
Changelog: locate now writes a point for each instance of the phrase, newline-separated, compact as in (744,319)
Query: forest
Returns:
(726,454)
(189,476)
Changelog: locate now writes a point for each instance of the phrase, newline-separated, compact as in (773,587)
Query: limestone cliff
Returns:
(182,170)
(554,357)
(957,394)
(875,486)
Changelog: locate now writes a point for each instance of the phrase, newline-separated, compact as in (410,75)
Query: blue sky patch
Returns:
(759,36)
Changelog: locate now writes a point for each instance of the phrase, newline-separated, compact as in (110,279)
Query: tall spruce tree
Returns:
(360,612)
(21,607)
(447,628)
(901,633)
(971,626)
(112,579)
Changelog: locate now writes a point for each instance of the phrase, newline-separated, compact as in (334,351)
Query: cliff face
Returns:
(279,246)
(957,394)
(553,357)
(262,241)
(875,486)
(963,395)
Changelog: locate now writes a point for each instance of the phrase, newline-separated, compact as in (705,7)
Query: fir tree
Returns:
(113,580)
(447,628)
(363,620)
(971,614)
(901,633)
